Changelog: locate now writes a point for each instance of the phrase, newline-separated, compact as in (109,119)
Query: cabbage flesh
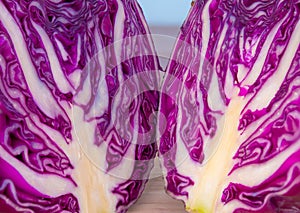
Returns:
(60,69)
(232,139)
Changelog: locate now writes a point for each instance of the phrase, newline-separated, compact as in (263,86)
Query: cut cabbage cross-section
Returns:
(61,65)
(232,141)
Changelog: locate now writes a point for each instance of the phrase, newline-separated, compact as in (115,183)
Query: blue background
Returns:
(165,12)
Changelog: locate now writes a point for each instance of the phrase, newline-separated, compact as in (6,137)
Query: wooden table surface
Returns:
(155,200)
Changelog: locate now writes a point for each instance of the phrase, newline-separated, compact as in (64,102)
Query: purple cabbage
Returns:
(232,140)
(62,66)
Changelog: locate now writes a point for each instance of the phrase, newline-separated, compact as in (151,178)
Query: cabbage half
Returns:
(231,100)
(62,67)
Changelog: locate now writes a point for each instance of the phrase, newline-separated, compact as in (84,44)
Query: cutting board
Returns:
(155,200)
